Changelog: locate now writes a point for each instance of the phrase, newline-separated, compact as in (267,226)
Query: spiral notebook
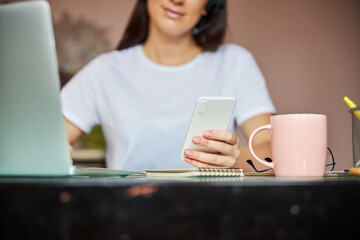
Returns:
(195,172)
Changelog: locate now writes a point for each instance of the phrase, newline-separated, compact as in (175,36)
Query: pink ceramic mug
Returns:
(298,144)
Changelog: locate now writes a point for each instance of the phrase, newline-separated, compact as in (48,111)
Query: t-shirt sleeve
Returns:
(78,98)
(252,94)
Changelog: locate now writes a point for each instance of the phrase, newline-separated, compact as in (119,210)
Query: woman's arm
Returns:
(72,131)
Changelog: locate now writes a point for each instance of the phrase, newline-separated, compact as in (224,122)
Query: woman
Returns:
(143,93)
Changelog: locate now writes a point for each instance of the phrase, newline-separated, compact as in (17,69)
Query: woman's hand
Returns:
(225,142)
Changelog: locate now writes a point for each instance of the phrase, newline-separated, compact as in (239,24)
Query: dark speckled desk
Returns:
(139,208)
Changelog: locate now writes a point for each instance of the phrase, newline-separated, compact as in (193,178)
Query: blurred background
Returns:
(308,50)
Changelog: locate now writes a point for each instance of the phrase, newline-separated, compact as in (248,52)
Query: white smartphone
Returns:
(210,113)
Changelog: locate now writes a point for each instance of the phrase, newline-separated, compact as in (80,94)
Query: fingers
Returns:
(221,135)
(224,147)
(221,147)
(199,164)
(213,160)
(224,142)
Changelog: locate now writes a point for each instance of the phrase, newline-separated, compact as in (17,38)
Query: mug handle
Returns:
(265,127)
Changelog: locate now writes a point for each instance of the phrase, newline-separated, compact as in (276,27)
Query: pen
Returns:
(352,105)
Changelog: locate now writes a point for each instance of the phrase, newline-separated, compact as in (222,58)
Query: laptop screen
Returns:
(32,133)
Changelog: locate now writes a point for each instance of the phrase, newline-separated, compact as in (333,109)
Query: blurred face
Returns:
(175,17)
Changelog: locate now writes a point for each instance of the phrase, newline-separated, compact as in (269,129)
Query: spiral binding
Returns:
(220,172)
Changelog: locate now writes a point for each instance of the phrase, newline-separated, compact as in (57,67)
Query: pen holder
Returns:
(355,136)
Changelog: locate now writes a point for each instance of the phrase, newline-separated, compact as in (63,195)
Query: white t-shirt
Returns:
(145,108)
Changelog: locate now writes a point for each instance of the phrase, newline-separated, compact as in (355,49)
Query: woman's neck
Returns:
(170,50)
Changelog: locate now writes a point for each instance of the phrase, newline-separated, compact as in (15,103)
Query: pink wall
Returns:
(309,51)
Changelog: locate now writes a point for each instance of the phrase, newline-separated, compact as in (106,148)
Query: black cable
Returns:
(253,166)
(333,160)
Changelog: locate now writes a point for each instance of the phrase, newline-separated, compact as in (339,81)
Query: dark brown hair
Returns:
(210,28)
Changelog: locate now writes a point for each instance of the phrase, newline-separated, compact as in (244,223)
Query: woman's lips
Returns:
(173,14)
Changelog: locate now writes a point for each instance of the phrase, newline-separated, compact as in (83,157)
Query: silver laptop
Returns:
(33,140)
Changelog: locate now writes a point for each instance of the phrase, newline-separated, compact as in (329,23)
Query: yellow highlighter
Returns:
(351,104)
